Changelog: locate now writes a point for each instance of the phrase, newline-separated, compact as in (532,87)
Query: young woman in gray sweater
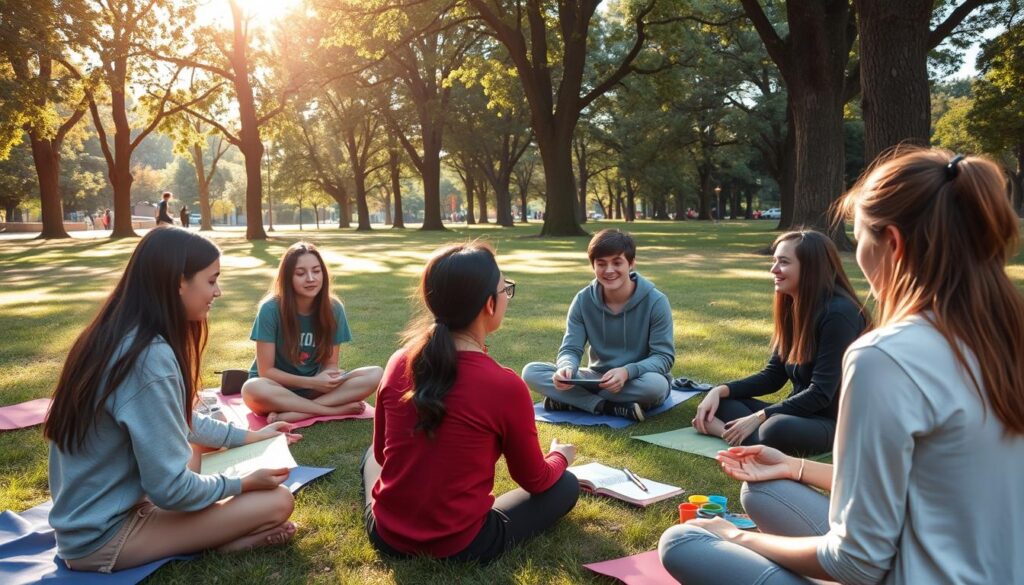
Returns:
(929,452)
(124,441)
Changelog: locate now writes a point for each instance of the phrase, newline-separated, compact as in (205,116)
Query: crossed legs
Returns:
(268,398)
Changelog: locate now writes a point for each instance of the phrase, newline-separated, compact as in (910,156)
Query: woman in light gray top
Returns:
(929,451)
(124,442)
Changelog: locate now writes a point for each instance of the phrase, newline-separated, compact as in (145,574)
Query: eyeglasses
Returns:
(510,290)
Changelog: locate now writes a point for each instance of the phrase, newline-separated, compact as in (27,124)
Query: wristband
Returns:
(800,476)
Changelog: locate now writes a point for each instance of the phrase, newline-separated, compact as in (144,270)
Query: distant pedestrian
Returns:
(183,214)
(162,217)
(106,219)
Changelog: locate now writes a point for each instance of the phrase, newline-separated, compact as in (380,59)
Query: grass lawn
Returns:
(717,284)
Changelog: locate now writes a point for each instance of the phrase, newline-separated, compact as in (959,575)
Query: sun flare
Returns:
(261,13)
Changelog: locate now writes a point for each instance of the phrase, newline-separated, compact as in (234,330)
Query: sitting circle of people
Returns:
(922,409)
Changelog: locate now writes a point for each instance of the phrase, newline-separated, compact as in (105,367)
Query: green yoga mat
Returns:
(688,440)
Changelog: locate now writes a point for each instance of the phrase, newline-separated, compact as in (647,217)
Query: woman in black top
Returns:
(817,316)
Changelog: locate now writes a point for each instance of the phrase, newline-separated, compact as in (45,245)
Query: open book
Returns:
(265,454)
(614,483)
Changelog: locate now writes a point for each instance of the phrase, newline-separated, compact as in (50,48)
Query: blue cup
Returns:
(721,501)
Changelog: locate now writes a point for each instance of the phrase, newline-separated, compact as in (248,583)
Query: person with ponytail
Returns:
(929,451)
(446,411)
(298,331)
(817,316)
(124,440)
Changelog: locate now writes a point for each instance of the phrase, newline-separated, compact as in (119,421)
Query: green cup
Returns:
(711,510)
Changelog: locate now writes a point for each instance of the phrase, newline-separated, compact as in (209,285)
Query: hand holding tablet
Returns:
(588,383)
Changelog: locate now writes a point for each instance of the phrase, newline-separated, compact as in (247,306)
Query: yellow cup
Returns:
(698,499)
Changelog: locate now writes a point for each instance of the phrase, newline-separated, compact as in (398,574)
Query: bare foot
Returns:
(716,427)
(273,417)
(292,416)
(344,409)
(354,408)
(279,534)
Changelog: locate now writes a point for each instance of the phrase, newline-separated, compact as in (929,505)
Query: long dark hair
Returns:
(324,323)
(146,300)
(821,277)
(959,232)
(455,287)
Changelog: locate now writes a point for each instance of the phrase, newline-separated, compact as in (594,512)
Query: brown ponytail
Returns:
(960,231)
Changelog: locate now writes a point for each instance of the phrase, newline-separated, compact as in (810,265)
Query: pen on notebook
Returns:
(633,478)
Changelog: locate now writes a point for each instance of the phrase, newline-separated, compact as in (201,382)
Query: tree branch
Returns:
(946,27)
(627,62)
(778,49)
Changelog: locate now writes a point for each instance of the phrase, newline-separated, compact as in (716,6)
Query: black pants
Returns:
(791,434)
(515,517)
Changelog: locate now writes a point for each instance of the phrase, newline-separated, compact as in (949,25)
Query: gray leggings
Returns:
(695,556)
(648,390)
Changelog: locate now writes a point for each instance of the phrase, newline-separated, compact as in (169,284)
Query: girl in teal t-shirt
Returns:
(298,330)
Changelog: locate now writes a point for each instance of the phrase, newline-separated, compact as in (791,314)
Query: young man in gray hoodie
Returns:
(628,325)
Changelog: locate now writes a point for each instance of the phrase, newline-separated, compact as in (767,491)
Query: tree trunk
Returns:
(205,211)
(560,210)
(812,59)
(818,124)
(481,193)
(787,173)
(680,200)
(661,207)
(432,177)
(630,201)
(734,203)
(584,178)
(503,201)
(340,195)
(47,163)
(249,130)
(362,207)
(895,95)
(389,219)
(396,188)
(357,160)
(467,180)
(120,172)
(523,213)
(704,180)
(749,212)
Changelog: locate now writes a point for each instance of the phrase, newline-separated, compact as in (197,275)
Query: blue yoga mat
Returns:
(575,417)
(28,548)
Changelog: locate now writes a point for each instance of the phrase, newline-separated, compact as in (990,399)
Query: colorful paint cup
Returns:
(721,501)
(687,512)
(710,511)
(697,499)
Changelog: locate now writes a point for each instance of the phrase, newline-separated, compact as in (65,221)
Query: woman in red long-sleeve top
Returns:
(446,411)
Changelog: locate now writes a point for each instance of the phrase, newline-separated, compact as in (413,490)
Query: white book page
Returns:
(599,475)
(265,454)
(654,490)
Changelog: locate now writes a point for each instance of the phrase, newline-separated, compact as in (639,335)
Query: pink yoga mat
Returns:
(237,412)
(642,569)
(26,414)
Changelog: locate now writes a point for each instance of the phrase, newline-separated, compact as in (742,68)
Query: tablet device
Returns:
(588,383)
